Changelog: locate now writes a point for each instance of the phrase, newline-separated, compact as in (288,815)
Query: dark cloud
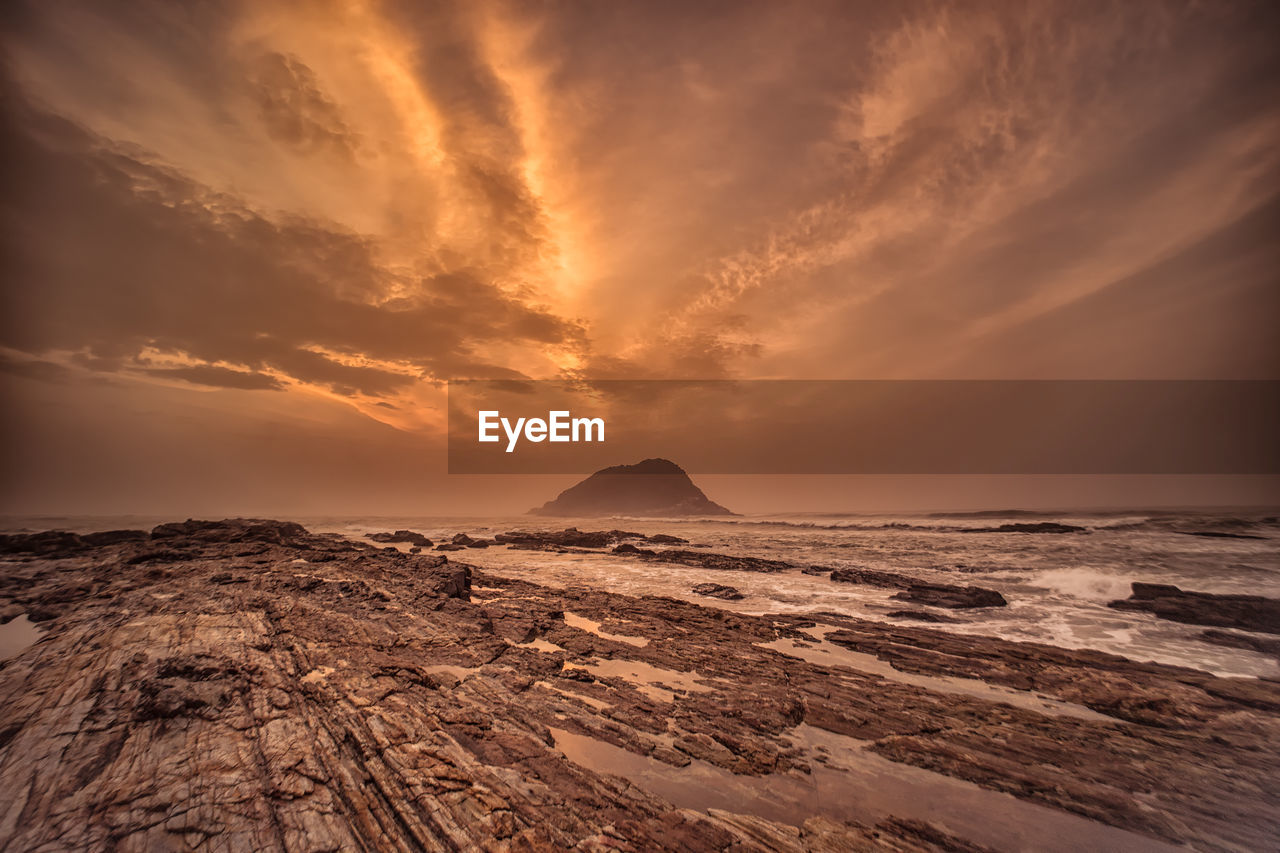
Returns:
(358,201)
(218,377)
(45,371)
(345,379)
(110,254)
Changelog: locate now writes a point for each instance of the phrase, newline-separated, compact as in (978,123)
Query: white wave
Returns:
(1084,583)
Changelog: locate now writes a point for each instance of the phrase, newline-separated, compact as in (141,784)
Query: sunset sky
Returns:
(245,244)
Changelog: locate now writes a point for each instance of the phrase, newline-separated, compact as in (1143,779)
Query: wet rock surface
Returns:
(951,597)
(710,560)
(63,542)
(1233,640)
(250,685)
(572,537)
(1247,612)
(405,536)
(715,590)
(932,594)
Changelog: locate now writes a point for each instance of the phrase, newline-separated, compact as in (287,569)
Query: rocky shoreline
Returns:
(250,685)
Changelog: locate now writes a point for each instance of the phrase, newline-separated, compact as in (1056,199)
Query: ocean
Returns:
(1057,584)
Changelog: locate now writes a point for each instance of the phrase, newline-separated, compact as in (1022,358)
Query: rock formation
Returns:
(248,685)
(403,536)
(716,590)
(932,594)
(710,560)
(951,597)
(1247,612)
(654,487)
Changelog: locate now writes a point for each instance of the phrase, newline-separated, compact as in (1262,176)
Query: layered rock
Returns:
(708,559)
(1242,641)
(265,688)
(931,594)
(951,597)
(570,537)
(653,487)
(1247,612)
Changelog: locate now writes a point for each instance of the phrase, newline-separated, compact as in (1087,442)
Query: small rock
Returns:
(953,597)
(715,590)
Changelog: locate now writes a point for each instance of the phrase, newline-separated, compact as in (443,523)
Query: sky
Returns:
(245,244)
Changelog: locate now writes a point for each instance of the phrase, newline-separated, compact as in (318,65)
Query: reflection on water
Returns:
(826,653)
(542,646)
(859,785)
(655,682)
(16,635)
(582,623)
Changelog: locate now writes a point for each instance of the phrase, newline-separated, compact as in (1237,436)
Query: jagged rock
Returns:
(406,536)
(1146,693)
(952,597)
(46,542)
(653,487)
(1247,612)
(335,696)
(870,577)
(231,530)
(716,590)
(570,537)
(628,548)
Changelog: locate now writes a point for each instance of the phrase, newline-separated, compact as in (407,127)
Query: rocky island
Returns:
(250,685)
(652,487)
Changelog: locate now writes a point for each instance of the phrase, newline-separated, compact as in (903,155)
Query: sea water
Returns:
(1057,584)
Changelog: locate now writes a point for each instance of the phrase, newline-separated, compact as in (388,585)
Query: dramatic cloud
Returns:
(121,260)
(353,202)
